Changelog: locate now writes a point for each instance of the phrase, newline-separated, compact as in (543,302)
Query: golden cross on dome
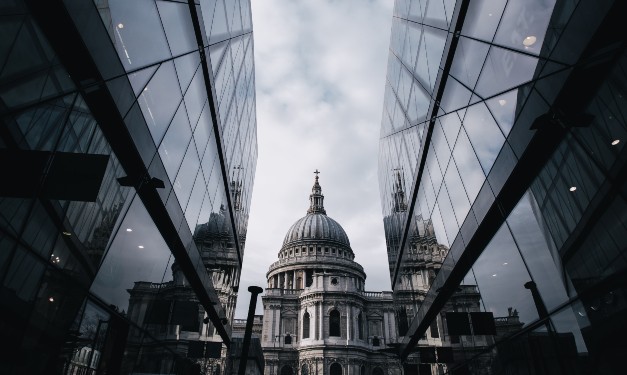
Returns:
(316,173)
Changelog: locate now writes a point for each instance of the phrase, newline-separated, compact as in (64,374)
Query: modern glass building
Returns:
(128,150)
(503,135)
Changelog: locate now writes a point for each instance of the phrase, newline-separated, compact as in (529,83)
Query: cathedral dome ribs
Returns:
(316,244)
(316,228)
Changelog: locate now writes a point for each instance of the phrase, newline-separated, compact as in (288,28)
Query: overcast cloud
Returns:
(320,73)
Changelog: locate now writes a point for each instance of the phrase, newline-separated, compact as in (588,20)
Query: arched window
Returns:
(336,369)
(304,370)
(378,371)
(334,323)
(362,370)
(288,339)
(375,341)
(360,327)
(286,370)
(306,328)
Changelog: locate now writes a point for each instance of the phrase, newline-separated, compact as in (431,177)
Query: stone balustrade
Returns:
(315,259)
(378,295)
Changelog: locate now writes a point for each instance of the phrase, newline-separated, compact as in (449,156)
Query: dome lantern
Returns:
(316,199)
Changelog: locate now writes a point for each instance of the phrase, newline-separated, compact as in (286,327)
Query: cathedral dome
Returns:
(316,227)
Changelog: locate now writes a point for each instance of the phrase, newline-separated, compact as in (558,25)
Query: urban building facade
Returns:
(504,127)
(128,152)
(318,319)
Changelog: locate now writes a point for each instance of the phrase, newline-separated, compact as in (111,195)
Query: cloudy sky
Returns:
(320,73)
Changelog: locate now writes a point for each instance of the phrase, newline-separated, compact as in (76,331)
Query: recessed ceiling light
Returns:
(529,41)
(140,246)
(129,230)
(120,25)
(493,275)
(505,264)
(51,299)
(573,188)
(67,234)
(615,142)
(502,102)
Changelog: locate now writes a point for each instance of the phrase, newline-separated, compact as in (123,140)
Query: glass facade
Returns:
(128,151)
(502,179)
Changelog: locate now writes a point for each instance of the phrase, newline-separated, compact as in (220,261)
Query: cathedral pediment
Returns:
(289,312)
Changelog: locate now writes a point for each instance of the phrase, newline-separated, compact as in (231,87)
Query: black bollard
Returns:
(243,359)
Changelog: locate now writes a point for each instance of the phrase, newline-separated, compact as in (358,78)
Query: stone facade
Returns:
(318,319)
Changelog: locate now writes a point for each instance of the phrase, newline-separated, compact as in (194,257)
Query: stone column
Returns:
(320,327)
(294,279)
(386,326)
(277,323)
(348,322)
(313,318)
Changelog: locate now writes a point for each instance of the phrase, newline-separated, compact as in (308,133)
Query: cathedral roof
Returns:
(216,227)
(316,226)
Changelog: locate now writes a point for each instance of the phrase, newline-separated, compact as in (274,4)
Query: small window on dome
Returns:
(319,250)
(291,252)
(311,250)
(332,251)
(334,281)
(326,250)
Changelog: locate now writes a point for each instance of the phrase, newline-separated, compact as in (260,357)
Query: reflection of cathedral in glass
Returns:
(501,146)
(172,310)
(123,221)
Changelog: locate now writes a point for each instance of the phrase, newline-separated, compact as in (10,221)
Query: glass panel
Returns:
(175,142)
(455,188)
(422,67)
(503,70)
(219,25)
(160,99)
(137,254)
(203,131)
(484,134)
(418,104)
(482,18)
(469,167)
(434,44)
(178,26)
(524,25)
(448,217)
(502,277)
(196,98)
(186,68)
(503,108)
(435,12)
(468,62)
(455,96)
(186,175)
(543,263)
(140,78)
(139,36)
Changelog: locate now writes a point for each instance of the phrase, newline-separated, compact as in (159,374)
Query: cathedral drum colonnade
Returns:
(318,319)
